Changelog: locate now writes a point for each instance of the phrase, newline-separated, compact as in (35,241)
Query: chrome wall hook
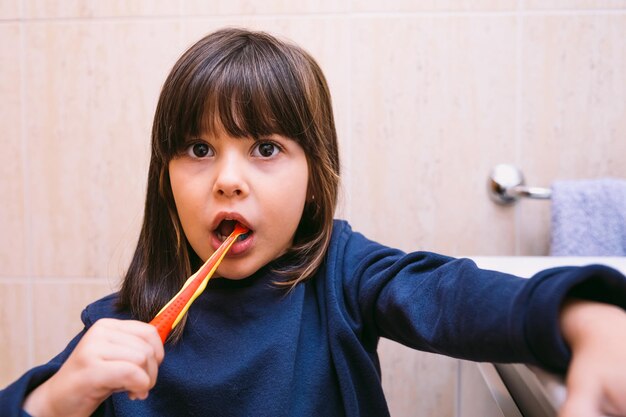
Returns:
(506,186)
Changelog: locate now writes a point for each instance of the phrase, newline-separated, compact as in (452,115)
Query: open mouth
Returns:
(226,227)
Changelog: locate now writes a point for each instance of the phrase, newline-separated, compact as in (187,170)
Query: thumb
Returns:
(577,408)
(581,401)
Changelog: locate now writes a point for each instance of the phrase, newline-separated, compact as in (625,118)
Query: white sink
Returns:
(525,266)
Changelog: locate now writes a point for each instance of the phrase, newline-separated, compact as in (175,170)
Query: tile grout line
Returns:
(26,199)
(304,15)
(350,150)
(75,280)
(519,90)
(181,25)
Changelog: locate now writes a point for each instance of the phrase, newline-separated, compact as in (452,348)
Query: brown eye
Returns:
(266,150)
(200,150)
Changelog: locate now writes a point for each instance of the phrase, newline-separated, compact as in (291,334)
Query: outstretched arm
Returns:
(596,378)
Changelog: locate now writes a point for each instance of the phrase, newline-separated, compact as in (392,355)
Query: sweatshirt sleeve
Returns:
(450,306)
(12,397)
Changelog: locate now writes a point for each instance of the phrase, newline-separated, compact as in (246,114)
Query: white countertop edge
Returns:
(526,266)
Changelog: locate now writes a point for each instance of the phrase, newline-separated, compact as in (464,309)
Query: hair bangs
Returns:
(249,95)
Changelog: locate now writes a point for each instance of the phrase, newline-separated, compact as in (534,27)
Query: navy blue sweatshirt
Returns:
(252,349)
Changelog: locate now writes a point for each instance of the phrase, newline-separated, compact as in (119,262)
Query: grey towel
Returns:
(589,218)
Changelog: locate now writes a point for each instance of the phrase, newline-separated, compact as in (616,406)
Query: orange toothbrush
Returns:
(175,309)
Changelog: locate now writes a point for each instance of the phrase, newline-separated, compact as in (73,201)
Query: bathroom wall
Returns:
(428,96)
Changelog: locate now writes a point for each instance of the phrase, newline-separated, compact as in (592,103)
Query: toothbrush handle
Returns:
(175,309)
(165,320)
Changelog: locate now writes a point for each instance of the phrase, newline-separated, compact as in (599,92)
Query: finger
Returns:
(146,341)
(145,331)
(614,401)
(124,376)
(135,352)
(574,407)
(123,331)
(150,334)
(119,340)
(582,397)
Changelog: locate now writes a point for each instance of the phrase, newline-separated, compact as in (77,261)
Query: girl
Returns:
(244,132)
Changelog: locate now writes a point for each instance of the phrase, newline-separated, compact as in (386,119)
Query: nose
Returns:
(231,178)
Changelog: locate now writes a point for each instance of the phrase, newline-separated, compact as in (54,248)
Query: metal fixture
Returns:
(506,186)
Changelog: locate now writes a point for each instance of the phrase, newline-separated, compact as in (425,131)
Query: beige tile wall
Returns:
(13,208)
(427,120)
(573,121)
(51,327)
(88,142)
(428,97)
(15,328)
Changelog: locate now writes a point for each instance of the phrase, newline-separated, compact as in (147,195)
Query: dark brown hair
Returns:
(246,84)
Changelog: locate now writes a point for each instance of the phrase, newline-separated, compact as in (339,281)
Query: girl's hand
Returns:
(596,379)
(114,355)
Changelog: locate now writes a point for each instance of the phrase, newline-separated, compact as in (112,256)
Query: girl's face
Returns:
(261,184)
